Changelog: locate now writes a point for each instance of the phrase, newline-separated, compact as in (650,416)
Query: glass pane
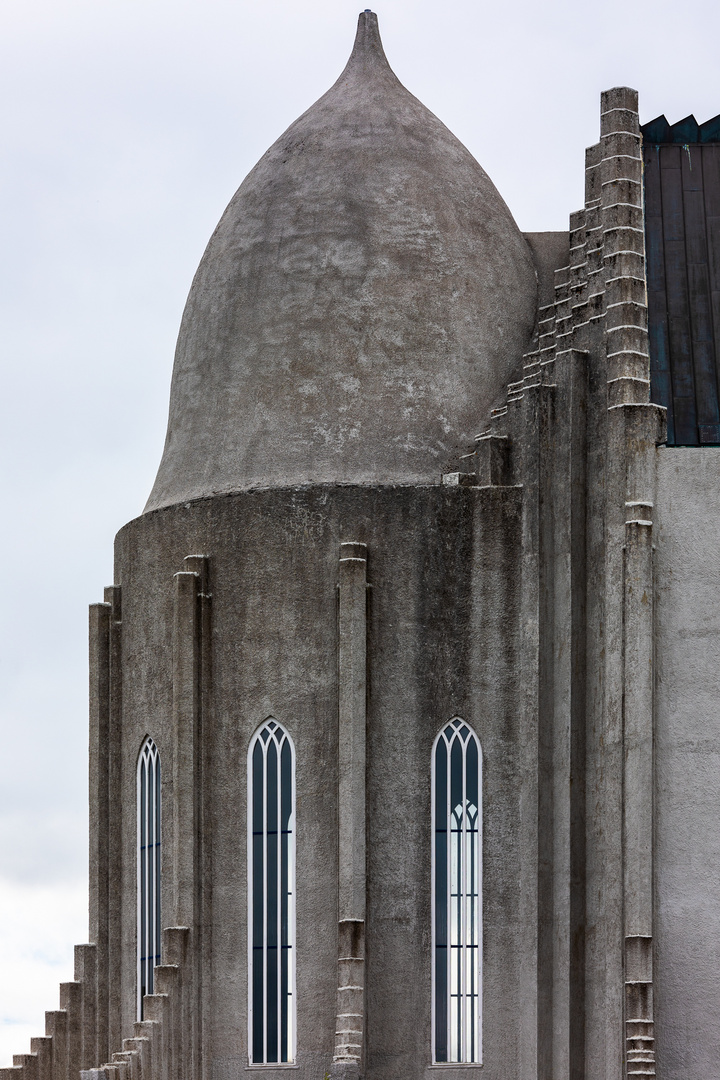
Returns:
(272,1004)
(258,1019)
(441,1004)
(284,1002)
(471,774)
(272,848)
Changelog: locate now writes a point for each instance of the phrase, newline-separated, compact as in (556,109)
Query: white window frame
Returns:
(278,735)
(465,1019)
(149,857)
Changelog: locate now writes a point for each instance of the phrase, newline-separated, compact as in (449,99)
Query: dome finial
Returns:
(368,45)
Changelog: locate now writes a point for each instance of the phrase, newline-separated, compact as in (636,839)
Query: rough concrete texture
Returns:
(518,594)
(550,252)
(361,304)
(687,763)
(442,632)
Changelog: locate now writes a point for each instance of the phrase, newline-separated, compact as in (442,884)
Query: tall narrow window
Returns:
(148,869)
(457,895)
(271,895)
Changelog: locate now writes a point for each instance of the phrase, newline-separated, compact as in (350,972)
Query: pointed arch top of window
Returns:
(271,895)
(148,749)
(456,771)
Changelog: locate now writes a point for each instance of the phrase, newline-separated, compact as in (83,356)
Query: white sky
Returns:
(126,126)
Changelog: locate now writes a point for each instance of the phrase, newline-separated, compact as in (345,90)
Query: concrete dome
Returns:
(361,304)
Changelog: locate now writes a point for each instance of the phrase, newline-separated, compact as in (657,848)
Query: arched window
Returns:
(271,895)
(148,869)
(457,895)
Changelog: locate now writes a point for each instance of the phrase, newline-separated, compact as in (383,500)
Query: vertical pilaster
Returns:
(634,431)
(56,1028)
(189,886)
(638,789)
(71,1003)
(568,751)
(186,695)
(113,596)
(100,615)
(537,632)
(644,426)
(201,961)
(628,359)
(352,721)
(86,978)
(626,371)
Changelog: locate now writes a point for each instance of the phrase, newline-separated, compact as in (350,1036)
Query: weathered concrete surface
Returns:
(687,763)
(550,252)
(442,637)
(360,306)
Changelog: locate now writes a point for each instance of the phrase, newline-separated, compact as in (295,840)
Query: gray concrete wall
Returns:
(687,763)
(442,629)
(550,252)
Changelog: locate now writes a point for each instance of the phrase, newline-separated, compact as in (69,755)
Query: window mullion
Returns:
(149,927)
(291,912)
(463,911)
(448,889)
(279,903)
(148,987)
(265,903)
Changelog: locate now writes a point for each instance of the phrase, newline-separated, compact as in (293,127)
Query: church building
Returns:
(405,702)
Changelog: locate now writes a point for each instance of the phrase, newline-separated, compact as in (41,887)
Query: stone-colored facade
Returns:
(554,582)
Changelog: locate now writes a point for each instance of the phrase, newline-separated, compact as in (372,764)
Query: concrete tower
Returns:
(397,742)
(357,313)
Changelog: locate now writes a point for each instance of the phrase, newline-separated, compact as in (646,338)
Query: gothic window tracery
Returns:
(148,869)
(271,895)
(457,895)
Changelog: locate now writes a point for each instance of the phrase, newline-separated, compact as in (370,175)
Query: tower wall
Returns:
(687,766)
(442,640)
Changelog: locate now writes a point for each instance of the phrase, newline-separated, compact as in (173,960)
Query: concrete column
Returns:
(186,695)
(71,1002)
(86,976)
(42,1046)
(113,597)
(638,790)
(201,960)
(105,813)
(628,360)
(635,431)
(352,720)
(536,651)
(638,730)
(56,1027)
(183,997)
(189,886)
(100,615)
(568,736)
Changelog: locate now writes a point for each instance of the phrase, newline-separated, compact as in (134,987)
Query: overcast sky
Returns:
(126,128)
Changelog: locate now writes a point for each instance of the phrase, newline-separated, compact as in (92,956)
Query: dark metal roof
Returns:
(683,132)
(682,233)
